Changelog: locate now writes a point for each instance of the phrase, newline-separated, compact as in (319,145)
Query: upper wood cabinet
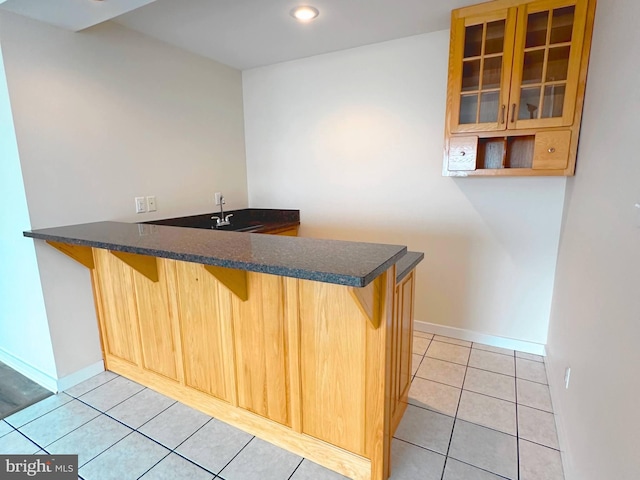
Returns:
(516,70)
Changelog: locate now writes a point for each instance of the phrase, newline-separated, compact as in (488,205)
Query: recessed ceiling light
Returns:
(304,13)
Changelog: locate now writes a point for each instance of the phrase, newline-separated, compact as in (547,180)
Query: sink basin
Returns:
(239,227)
(207,223)
(244,220)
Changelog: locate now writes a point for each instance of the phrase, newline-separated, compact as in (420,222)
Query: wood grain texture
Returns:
(367,299)
(202,330)
(575,57)
(292,318)
(551,150)
(80,253)
(298,363)
(261,348)
(378,381)
(234,280)
(286,231)
(455,72)
(156,320)
(143,264)
(333,352)
(170,279)
(404,300)
(515,49)
(348,464)
(118,307)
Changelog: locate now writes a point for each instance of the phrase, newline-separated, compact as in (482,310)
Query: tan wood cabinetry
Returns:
(320,369)
(517,75)
(287,231)
(402,346)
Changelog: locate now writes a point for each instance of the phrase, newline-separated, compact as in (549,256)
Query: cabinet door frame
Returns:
(456,56)
(573,71)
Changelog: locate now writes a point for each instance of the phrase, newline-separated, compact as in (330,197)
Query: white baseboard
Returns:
(45,380)
(80,376)
(41,378)
(471,336)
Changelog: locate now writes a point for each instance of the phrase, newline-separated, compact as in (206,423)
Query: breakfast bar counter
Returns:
(305,343)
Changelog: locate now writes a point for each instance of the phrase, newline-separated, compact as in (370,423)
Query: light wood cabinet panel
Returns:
(406,332)
(546,63)
(155,321)
(297,362)
(120,324)
(205,332)
(286,231)
(517,68)
(551,150)
(481,55)
(402,347)
(332,336)
(261,348)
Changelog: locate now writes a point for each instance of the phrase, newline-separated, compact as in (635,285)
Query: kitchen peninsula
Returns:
(303,342)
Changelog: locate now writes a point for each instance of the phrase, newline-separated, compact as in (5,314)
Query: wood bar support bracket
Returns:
(143,264)
(234,280)
(80,253)
(368,299)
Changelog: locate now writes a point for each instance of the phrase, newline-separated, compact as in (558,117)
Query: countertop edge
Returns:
(411,261)
(326,277)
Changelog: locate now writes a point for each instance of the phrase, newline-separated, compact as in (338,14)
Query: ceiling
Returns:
(251,33)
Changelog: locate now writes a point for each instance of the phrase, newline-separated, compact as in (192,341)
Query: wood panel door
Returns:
(480,71)
(117,306)
(546,66)
(207,346)
(156,322)
(333,361)
(261,348)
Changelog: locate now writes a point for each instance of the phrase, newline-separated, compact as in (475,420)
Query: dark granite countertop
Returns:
(332,261)
(407,263)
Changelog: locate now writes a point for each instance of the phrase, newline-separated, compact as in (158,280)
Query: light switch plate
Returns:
(151,203)
(141,205)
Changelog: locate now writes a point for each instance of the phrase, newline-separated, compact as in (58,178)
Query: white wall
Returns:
(354,139)
(102,116)
(595,322)
(24,333)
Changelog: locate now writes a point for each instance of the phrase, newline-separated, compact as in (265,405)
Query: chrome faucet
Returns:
(221,221)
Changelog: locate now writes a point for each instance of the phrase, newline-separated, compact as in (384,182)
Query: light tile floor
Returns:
(475,413)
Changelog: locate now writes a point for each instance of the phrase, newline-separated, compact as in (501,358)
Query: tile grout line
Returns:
(234,457)
(31,440)
(420,446)
(157,463)
(40,416)
(455,418)
(116,420)
(480,468)
(295,470)
(421,360)
(423,356)
(113,406)
(101,412)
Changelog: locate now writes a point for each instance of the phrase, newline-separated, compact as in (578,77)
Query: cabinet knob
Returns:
(551,150)
(463,153)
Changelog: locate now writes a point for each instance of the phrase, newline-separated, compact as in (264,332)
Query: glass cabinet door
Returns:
(483,50)
(547,59)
